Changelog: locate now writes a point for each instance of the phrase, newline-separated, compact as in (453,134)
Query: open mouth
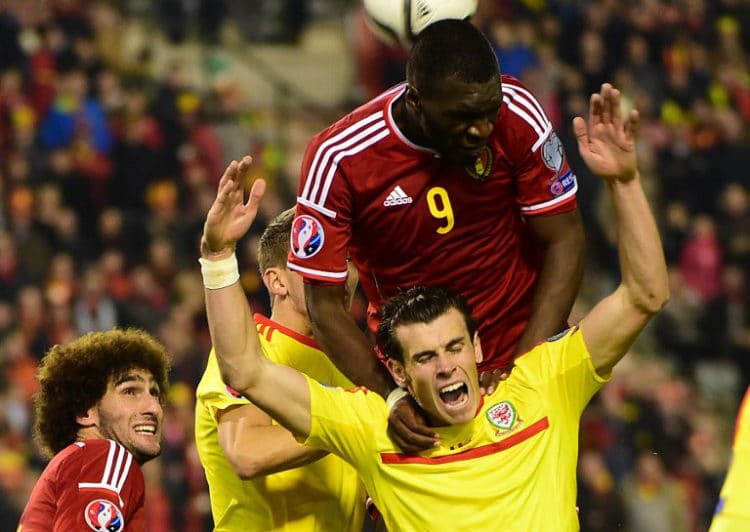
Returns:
(454,395)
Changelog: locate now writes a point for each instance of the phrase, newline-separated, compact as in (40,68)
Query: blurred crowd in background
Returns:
(108,163)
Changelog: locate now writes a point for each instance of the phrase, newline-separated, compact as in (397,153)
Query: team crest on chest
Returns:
(482,166)
(503,415)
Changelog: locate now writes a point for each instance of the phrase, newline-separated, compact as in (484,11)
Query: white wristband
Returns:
(395,396)
(219,273)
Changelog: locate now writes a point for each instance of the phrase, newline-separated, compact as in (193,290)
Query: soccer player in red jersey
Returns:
(455,178)
(99,411)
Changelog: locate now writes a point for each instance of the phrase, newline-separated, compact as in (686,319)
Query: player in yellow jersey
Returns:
(504,461)
(259,477)
(733,511)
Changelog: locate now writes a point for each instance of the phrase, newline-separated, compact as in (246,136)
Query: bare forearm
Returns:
(555,293)
(612,326)
(642,264)
(232,329)
(243,366)
(557,286)
(352,354)
(344,343)
(269,449)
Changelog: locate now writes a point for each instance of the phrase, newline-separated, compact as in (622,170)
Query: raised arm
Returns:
(280,391)
(607,145)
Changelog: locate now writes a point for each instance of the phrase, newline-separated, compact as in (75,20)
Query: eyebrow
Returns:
(448,344)
(475,112)
(129,377)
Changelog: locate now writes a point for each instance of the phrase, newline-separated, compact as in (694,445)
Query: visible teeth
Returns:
(146,428)
(452,387)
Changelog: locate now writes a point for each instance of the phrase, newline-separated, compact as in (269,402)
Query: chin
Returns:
(144,455)
(463,417)
(453,417)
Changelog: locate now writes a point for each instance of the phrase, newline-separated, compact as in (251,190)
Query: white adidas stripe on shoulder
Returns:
(116,470)
(525,105)
(352,140)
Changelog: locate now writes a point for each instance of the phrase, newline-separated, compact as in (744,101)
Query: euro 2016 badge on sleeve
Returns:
(307,236)
(104,516)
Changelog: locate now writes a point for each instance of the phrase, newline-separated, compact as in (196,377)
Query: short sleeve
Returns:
(345,421)
(321,230)
(562,365)
(213,393)
(545,183)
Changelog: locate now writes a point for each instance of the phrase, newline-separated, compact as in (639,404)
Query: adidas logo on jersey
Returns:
(397,197)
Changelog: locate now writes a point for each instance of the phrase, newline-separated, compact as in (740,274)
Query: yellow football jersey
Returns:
(322,496)
(733,511)
(512,468)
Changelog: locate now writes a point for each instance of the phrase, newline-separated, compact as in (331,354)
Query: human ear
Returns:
(89,419)
(413,100)
(275,282)
(397,372)
(478,355)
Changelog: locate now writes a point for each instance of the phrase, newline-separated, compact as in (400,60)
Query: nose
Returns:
(152,406)
(445,366)
(480,130)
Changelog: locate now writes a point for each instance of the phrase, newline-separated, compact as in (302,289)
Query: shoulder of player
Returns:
(361,125)
(521,114)
(97,461)
(554,343)
(273,331)
(369,405)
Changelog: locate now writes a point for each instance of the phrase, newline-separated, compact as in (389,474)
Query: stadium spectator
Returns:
(654,500)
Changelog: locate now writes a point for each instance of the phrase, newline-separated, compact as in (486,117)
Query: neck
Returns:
(89,433)
(291,319)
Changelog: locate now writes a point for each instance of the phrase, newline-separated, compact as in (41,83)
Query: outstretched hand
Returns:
(607,142)
(230,216)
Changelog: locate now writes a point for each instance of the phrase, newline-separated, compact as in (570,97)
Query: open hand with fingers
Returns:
(607,141)
(230,216)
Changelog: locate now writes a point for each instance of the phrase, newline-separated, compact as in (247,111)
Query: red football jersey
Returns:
(89,485)
(408,217)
